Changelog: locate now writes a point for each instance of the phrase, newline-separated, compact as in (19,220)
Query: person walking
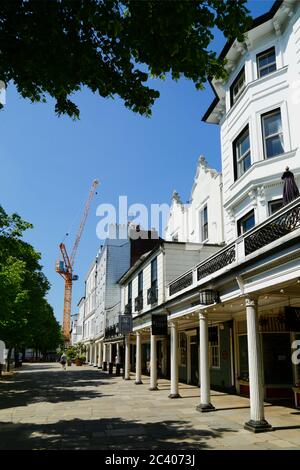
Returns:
(63,361)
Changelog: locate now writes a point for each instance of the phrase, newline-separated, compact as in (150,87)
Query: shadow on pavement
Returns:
(60,386)
(107,433)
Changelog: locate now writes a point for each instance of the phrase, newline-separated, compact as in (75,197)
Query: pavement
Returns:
(45,407)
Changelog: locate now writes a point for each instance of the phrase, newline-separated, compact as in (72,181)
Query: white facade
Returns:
(90,304)
(172,259)
(78,323)
(112,261)
(201,220)
(277,92)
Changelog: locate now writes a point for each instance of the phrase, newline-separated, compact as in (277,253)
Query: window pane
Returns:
(274,206)
(246,223)
(244,144)
(237,86)
(274,146)
(242,153)
(140,286)
(204,224)
(154,270)
(246,162)
(205,215)
(267,70)
(267,58)
(249,223)
(272,124)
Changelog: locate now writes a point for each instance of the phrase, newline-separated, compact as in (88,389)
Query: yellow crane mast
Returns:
(65,266)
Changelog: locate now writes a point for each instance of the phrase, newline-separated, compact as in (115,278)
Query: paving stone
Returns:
(86,409)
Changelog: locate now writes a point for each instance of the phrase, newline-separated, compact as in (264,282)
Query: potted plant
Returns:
(79,357)
(79,360)
(71,354)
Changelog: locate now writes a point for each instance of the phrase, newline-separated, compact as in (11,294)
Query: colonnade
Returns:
(101,353)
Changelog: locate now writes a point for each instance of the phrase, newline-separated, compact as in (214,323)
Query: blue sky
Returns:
(48,163)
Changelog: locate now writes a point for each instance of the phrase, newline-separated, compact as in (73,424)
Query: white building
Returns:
(102,303)
(236,313)
(257,109)
(199,221)
(144,293)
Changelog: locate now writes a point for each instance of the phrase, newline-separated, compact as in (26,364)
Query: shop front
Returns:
(276,338)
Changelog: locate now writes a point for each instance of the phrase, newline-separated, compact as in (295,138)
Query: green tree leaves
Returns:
(26,318)
(112,47)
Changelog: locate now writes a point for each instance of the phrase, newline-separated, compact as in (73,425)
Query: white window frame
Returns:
(240,158)
(262,54)
(264,138)
(235,82)
(214,348)
(201,220)
(238,219)
(273,201)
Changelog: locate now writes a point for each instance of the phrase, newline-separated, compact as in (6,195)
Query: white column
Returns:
(205,404)
(95,355)
(153,363)
(174,361)
(104,365)
(127,358)
(257,421)
(118,353)
(99,355)
(90,354)
(110,353)
(138,366)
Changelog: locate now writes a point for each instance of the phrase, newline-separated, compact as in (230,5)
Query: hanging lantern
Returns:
(208,297)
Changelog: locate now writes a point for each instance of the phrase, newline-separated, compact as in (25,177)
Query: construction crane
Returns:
(65,266)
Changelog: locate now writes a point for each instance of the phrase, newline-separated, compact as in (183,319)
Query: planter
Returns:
(78,362)
(296,391)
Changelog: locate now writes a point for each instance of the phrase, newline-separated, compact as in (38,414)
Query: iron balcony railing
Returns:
(182,283)
(283,222)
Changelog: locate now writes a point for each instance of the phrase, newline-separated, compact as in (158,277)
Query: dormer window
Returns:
(266,62)
(237,86)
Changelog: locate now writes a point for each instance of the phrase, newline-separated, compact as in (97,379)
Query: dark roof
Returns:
(256,22)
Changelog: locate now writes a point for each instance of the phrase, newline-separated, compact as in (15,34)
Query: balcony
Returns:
(282,223)
(138,303)
(152,295)
(181,283)
(112,331)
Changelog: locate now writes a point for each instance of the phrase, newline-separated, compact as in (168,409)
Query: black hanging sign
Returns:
(159,325)
(125,324)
